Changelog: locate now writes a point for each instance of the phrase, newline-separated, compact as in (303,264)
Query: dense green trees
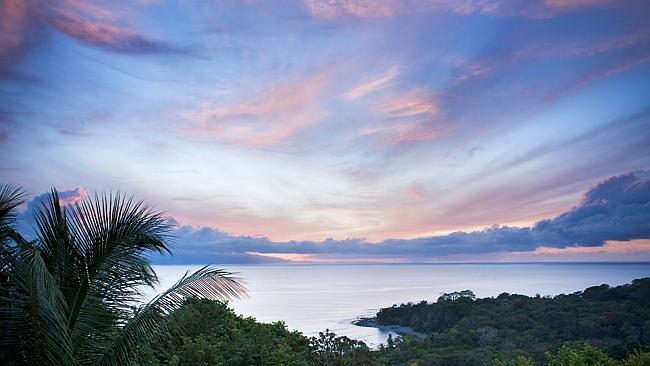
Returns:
(579,354)
(67,297)
(464,330)
(212,334)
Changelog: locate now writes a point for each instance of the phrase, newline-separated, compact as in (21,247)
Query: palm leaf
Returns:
(10,198)
(154,322)
(35,327)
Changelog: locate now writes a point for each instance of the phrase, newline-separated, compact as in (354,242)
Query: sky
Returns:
(341,130)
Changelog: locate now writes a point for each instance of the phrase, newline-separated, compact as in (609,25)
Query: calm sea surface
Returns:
(311,298)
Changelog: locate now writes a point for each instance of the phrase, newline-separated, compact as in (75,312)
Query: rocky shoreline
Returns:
(399,329)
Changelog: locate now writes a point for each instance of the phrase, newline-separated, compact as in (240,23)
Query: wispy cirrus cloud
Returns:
(271,117)
(417,102)
(401,132)
(373,84)
(406,117)
(360,8)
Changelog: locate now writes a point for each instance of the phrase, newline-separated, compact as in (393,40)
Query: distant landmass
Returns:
(462,329)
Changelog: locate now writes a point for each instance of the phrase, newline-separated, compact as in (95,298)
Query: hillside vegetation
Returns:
(465,330)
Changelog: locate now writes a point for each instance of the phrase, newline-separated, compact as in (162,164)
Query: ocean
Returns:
(314,297)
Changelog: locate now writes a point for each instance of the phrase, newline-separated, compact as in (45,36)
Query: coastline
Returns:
(399,329)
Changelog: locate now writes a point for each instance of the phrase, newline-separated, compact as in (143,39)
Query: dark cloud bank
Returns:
(616,209)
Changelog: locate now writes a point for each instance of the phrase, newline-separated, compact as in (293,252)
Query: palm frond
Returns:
(154,322)
(114,236)
(35,327)
(10,198)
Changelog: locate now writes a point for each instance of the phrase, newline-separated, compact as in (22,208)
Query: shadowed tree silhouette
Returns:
(70,296)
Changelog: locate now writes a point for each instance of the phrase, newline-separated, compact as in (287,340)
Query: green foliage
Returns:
(211,329)
(66,297)
(464,330)
(519,361)
(638,359)
(212,334)
(579,354)
(340,351)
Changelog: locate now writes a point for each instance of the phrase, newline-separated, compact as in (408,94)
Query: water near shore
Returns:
(311,298)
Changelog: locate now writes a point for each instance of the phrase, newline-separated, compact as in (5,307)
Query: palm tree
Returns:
(70,296)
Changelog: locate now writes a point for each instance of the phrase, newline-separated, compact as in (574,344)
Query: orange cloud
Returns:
(266,119)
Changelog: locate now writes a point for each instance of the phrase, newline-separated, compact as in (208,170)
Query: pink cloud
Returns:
(94,32)
(85,21)
(13,28)
(609,247)
(475,70)
(316,258)
(100,26)
(402,132)
(374,84)
(71,197)
(328,9)
(414,102)
(266,119)
(415,190)
(408,118)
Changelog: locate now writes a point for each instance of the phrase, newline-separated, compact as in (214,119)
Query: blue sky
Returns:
(375,122)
